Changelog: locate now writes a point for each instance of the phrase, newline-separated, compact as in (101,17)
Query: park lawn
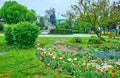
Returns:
(24,64)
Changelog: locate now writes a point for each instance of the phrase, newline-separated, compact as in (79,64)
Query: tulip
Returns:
(95,73)
(112,76)
(84,70)
(74,69)
(39,48)
(113,71)
(103,75)
(75,59)
(106,71)
(98,69)
(41,53)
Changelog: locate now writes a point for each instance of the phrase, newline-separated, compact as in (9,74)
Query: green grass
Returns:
(24,64)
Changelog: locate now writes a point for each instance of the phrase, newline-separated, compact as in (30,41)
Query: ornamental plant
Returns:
(83,66)
(94,40)
(22,35)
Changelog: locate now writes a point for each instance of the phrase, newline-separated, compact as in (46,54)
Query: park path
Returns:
(70,35)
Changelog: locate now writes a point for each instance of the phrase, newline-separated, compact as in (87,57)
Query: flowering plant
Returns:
(87,65)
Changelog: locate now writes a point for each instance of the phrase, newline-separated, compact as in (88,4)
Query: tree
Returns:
(50,14)
(12,12)
(113,18)
(92,11)
(41,22)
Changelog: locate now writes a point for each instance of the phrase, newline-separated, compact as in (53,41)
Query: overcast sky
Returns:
(40,6)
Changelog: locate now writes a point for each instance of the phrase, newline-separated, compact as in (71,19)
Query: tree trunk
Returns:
(99,36)
(97,33)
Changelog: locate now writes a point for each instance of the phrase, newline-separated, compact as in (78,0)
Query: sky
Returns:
(61,6)
(40,6)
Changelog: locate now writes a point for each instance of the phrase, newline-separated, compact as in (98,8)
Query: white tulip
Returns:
(75,59)
(69,59)
(61,58)
(54,57)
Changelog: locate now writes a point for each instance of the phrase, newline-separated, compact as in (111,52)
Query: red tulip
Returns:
(113,71)
(112,76)
(103,75)
(74,69)
(95,73)
(84,70)
(106,71)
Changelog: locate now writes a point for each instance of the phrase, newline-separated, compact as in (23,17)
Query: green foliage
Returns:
(41,22)
(35,68)
(61,31)
(109,46)
(94,40)
(76,40)
(8,34)
(1,26)
(83,26)
(22,35)
(12,12)
(92,13)
(79,31)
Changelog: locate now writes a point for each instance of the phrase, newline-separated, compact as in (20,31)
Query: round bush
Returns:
(22,34)
(8,34)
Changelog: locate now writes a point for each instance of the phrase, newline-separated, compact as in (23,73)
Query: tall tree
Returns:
(12,12)
(50,14)
(114,16)
(92,11)
(41,22)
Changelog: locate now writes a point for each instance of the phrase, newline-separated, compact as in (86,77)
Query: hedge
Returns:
(61,31)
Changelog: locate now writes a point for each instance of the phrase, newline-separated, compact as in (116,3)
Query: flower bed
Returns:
(84,65)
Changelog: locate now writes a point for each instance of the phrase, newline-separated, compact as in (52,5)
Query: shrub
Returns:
(79,31)
(1,26)
(94,40)
(22,35)
(8,34)
(76,40)
(61,31)
(75,31)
